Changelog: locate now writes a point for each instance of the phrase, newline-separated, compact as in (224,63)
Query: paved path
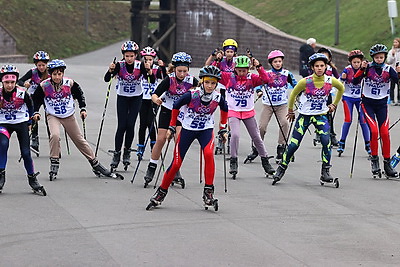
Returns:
(86,221)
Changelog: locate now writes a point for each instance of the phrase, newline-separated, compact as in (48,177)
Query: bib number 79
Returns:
(241,102)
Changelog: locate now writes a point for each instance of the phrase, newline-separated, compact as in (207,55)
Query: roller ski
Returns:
(375,169)
(36,187)
(115,160)
(140,152)
(126,158)
(317,139)
(280,149)
(326,177)
(99,170)
(157,198)
(178,180)
(208,198)
(54,166)
(268,169)
(279,173)
(388,170)
(252,155)
(151,170)
(218,148)
(340,148)
(233,167)
(2,179)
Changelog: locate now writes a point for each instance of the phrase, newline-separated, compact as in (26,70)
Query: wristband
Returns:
(172,128)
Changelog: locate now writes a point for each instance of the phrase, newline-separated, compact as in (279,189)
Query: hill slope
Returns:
(58,27)
(362,22)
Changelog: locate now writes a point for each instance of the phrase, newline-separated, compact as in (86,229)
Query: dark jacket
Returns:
(305,52)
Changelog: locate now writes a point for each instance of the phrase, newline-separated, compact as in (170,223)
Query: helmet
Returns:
(242,62)
(181,59)
(378,48)
(56,64)
(316,57)
(210,71)
(41,56)
(148,51)
(9,69)
(355,53)
(129,46)
(325,50)
(275,53)
(230,44)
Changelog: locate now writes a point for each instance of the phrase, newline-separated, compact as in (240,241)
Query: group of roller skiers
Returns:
(185,108)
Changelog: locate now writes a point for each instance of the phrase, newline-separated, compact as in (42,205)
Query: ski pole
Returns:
(84,127)
(145,144)
(223,152)
(66,141)
(104,113)
(391,126)
(356,136)
(162,163)
(201,165)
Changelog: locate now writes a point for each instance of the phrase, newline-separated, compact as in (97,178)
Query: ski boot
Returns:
(388,170)
(334,141)
(99,170)
(140,152)
(376,171)
(326,176)
(280,149)
(317,139)
(208,198)
(151,170)
(2,179)
(126,158)
(395,160)
(115,160)
(36,187)
(368,148)
(178,180)
(35,145)
(54,166)
(233,167)
(341,147)
(269,170)
(280,172)
(252,155)
(157,198)
(218,148)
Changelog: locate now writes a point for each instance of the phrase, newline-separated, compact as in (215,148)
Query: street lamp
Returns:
(392,8)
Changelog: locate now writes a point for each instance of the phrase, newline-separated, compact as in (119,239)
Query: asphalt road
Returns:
(87,221)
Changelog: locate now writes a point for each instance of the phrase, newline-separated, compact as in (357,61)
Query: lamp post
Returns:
(337,23)
(392,9)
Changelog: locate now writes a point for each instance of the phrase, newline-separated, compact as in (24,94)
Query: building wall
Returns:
(8,48)
(202,26)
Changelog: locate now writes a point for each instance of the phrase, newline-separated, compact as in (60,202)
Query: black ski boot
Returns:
(233,167)
(179,180)
(269,170)
(140,151)
(334,141)
(388,169)
(280,149)
(340,148)
(151,170)
(208,198)
(2,179)
(326,176)
(317,139)
(99,170)
(35,145)
(157,198)
(218,148)
(36,187)
(54,166)
(279,173)
(376,170)
(252,155)
(115,160)
(126,158)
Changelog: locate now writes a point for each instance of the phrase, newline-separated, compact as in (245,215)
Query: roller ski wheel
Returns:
(335,182)
(117,176)
(151,205)
(40,191)
(126,166)
(179,181)
(377,175)
(157,198)
(52,176)
(35,186)
(218,151)
(213,205)
(146,184)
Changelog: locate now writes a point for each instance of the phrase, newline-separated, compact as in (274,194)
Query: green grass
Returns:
(57,26)
(362,22)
